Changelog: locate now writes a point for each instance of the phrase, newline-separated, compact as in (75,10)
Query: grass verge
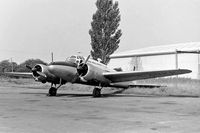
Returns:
(173,86)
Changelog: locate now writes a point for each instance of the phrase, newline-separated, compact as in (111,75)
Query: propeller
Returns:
(81,66)
(35,70)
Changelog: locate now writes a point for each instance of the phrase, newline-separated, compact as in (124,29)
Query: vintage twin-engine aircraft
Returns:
(77,69)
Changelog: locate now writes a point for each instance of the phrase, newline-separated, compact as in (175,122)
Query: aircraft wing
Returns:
(138,75)
(19,74)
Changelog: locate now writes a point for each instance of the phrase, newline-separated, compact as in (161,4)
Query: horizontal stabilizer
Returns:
(126,85)
(145,86)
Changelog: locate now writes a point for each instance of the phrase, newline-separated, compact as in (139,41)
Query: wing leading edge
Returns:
(138,75)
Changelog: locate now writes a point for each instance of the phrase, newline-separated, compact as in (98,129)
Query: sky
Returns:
(35,28)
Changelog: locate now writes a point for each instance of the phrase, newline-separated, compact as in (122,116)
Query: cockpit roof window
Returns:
(80,57)
(75,58)
(72,57)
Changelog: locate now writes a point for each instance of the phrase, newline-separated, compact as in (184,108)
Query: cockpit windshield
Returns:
(76,59)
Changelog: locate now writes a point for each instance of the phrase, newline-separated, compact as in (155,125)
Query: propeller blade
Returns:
(80,66)
(41,74)
(27,66)
(87,59)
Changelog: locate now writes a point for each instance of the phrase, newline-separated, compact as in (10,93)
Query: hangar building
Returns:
(174,56)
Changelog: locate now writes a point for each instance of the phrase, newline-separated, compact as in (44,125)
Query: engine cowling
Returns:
(90,73)
(46,76)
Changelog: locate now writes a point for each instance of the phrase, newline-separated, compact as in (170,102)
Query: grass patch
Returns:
(174,86)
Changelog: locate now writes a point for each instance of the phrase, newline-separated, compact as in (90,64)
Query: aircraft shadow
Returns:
(117,93)
(107,95)
(89,95)
(104,95)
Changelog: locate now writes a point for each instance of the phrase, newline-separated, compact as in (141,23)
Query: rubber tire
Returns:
(52,91)
(96,92)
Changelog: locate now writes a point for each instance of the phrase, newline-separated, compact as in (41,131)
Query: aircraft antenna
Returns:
(51,56)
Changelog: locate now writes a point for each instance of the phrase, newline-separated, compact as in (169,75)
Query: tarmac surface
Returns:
(25,110)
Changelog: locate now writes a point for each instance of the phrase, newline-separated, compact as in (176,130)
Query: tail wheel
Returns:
(52,91)
(96,92)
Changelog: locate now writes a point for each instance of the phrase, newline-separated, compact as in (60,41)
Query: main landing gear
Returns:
(96,92)
(53,90)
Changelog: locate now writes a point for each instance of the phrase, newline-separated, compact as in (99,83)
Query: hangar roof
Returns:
(192,47)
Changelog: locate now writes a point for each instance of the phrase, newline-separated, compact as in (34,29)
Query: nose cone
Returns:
(64,72)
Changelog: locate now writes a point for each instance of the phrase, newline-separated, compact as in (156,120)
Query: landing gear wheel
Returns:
(96,92)
(52,91)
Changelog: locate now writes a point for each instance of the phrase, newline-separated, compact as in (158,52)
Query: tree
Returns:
(7,66)
(30,62)
(104,32)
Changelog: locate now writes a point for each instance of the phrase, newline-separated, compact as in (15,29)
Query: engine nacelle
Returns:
(48,77)
(91,73)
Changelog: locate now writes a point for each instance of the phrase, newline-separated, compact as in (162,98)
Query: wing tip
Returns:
(185,70)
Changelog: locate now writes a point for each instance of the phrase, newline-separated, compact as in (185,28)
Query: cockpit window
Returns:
(75,59)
